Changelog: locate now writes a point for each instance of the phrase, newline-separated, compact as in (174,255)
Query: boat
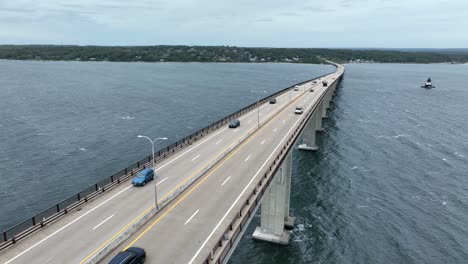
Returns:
(428,84)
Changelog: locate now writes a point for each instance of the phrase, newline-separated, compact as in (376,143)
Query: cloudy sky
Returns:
(253,23)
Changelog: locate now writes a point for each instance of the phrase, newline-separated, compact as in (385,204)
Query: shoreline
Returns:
(239,62)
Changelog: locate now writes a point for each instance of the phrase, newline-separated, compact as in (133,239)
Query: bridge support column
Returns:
(333,92)
(308,136)
(275,208)
(287,170)
(325,105)
(326,100)
(319,114)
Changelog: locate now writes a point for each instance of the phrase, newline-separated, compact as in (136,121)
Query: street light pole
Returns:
(258,105)
(258,110)
(152,147)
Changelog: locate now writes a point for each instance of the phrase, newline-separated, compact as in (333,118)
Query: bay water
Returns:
(389,183)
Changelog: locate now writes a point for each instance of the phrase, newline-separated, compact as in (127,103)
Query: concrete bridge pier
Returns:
(275,218)
(308,136)
(333,92)
(326,101)
(287,169)
(320,114)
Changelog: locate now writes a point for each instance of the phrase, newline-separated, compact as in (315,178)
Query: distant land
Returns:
(164,53)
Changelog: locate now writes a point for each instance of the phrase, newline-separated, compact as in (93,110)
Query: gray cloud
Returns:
(331,23)
(290,14)
(265,19)
(318,9)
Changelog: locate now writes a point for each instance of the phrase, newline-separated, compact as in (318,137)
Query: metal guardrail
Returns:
(227,241)
(51,214)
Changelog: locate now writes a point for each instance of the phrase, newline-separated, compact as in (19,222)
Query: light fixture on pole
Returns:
(258,106)
(152,147)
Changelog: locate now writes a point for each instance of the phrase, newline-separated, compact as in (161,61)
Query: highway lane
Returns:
(97,221)
(178,233)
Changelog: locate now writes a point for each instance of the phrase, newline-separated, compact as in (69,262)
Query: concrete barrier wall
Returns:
(132,229)
(226,244)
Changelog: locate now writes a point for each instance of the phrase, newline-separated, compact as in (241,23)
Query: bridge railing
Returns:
(227,241)
(51,214)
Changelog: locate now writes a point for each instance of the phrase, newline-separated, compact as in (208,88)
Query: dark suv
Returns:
(133,255)
(234,123)
(273,101)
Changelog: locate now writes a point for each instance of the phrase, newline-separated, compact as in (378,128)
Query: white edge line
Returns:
(67,225)
(226,180)
(215,134)
(194,147)
(161,181)
(103,222)
(91,210)
(243,191)
(192,217)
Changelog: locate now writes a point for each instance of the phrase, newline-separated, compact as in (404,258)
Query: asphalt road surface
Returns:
(178,235)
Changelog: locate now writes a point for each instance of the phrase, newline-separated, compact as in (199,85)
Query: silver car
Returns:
(299,110)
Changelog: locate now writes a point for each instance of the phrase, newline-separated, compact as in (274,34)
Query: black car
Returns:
(133,255)
(234,123)
(324,83)
(273,101)
(311,90)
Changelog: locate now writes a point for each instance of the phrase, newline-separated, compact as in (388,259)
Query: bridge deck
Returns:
(73,238)
(187,230)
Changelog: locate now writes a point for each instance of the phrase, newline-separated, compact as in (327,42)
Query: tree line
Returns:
(165,53)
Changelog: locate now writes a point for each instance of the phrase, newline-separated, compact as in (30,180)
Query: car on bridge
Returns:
(296,87)
(311,90)
(273,101)
(133,255)
(143,177)
(299,110)
(234,123)
(325,83)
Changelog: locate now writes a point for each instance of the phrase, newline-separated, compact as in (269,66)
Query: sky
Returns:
(244,23)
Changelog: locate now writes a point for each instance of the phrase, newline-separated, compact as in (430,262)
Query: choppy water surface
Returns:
(66,125)
(390,181)
(388,185)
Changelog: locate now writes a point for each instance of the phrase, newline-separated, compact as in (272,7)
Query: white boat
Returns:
(428,84)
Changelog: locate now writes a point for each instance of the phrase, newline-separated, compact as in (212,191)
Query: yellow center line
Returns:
(189,192)
(255,134)
(145,212)
(178,185)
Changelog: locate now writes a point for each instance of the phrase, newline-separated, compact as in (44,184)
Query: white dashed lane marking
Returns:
(226,180)
(192,217)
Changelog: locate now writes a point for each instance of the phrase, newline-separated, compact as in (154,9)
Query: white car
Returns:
(296,87)
(299,110)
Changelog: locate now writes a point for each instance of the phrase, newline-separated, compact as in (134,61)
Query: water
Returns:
(389,183)
(66,125)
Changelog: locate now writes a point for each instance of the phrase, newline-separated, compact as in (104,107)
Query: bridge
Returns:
(209,187)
